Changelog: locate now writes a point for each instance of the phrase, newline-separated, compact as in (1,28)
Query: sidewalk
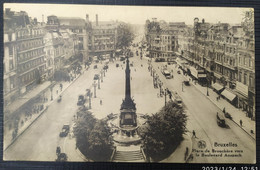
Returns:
(237,114)
(178,156)
(26,120)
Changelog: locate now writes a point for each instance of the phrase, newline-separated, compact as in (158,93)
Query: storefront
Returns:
(230,96)
(218,88)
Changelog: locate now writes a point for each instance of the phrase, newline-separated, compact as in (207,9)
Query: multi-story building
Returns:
(10,59)
(55,52)
(162,39)
(226,56)
(245,84)
(78,26)
(24,59)
(102,39)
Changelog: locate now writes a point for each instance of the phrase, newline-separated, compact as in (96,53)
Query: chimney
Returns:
(87,18)
(203,21)
(96,19)
(35,21)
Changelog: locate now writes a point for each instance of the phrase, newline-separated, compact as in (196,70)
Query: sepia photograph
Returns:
(111,83)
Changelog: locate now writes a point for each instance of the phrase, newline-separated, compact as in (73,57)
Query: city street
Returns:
(39,142)
(202,118)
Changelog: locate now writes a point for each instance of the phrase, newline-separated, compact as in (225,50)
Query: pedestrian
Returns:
(241,123)
(194,134)
(224,110)
(186,153)
(217,98)
(100,102)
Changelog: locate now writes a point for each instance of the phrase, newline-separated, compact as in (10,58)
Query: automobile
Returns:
(176,98)
(167,74)
(96,77)
(187,83)
(131,54)
(131,65)
(117,65)
(221,120)
(81,100)
(65,130)
(95,67)
(105,67)
(179,72)
(62,157)
(122,58)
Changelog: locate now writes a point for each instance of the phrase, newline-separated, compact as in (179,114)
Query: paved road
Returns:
(39,142)
(202,119)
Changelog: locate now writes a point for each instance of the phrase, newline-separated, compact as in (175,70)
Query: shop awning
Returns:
(202,75)
(217,86)
(229,95)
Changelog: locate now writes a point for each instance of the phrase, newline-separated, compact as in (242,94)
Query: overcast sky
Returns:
(132,14)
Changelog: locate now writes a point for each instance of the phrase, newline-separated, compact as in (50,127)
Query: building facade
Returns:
(24,57)
(225,55)
(102,39)
(162,39)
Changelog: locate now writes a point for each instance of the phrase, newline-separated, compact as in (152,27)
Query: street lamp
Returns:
(98,83)
(51,93)
(165,95)
(101,77)
(95,84)
(89,96)
(207,88)
(89,100)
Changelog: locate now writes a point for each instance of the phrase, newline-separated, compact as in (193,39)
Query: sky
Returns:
(132,14)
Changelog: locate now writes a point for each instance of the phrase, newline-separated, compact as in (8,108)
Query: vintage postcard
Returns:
(128,84)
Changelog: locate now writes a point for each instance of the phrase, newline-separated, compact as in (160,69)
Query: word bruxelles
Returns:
(230,144)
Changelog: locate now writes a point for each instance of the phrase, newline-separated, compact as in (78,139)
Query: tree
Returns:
(100,147)
(125,36)
(92,136)
(163,132)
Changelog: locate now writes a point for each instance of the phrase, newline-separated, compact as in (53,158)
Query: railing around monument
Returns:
(113,154)
(142,151)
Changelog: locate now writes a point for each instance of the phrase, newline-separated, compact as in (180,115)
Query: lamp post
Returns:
(95,84)
(165,95)
(51,93)
(98,83)
(207,88)
(89,100)
(101,77)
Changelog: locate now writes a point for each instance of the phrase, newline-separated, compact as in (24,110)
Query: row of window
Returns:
(31,64)
(31,54)
(103,47)
(29,32)
(245,61)
(29,44)
(106,31)
(246,79)
(26,78)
